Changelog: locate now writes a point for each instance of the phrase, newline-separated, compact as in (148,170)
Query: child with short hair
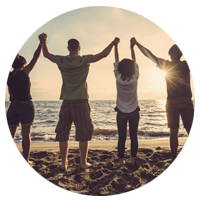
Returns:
(127,73)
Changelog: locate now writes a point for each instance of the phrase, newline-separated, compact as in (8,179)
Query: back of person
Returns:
(21,109)
(74,70)
(127,100)
(75,107)
(178,79)
(127,74)
(179,103)
(19,86)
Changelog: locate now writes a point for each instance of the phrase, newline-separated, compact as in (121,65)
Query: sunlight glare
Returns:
(158,78)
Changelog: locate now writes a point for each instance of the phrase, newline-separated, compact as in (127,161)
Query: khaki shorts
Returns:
(177,107)
(77,111)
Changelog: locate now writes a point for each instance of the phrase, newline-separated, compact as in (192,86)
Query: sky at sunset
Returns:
(95,28)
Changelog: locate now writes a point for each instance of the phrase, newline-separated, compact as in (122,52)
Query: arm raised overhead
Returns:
(105,52)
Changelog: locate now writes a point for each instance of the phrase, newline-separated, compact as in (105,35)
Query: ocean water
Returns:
(152,125)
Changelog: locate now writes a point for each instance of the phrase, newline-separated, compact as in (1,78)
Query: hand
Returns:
(42,37)
(116,41)
(133,41)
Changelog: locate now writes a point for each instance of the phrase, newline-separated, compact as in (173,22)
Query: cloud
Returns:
(117,13)
(37,85)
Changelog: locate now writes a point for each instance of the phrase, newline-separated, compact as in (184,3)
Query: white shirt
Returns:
(127,100)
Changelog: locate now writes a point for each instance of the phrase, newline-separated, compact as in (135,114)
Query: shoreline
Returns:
(104,145)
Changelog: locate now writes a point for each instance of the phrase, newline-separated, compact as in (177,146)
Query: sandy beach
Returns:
(105,177)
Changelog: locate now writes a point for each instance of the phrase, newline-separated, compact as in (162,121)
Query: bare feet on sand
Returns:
(64,167)
(30,163)
(121,161)
(85,165)
(133,160)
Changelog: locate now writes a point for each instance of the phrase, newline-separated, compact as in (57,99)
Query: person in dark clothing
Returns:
(21,109)
(179,93)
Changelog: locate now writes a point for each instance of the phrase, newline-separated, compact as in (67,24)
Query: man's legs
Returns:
(187,114)
(63,131)
(64,146)
(84,128)
(173,142)
(83,147)
(173,107)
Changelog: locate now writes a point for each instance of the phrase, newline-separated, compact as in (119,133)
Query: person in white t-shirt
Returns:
(127,73)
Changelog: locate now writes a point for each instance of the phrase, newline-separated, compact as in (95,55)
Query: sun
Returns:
(158,77)
(158,74)
(163,73)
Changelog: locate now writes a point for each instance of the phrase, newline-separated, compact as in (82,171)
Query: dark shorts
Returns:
(20,111)
(179,107)
(77,111)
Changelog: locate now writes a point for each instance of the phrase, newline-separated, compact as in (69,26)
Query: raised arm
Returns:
(36,55)
(132,50)
(43,40)
(105,52)
(116,50)
(146,52)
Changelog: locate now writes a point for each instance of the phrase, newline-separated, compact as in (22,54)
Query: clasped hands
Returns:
(132,41)
(42,37)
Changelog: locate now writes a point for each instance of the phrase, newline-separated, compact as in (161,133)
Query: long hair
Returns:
(126,68)
(19,62)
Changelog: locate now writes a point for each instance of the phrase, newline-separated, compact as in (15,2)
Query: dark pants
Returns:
(122,119)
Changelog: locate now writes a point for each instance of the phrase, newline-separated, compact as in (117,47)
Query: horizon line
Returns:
(99,99)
